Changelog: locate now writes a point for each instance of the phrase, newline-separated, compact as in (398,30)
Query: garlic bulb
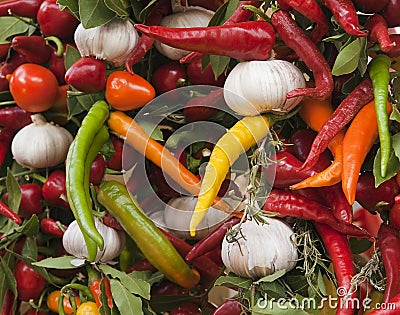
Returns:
(112,41)
(255,87)
(178,213)
(75,245)
(263,249)
(41,144)
(192,17)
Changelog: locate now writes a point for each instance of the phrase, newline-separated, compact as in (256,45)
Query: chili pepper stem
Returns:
(58,43)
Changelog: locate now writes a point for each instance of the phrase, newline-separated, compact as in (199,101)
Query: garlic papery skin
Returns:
(74,243)
(192,17)
(178,213)
(41,144)
(261,250)
(113,41)
(255,87)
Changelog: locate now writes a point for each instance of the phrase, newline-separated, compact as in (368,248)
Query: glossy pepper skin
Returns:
(250,40)
(7,67)
(54,189)
(14,117)
(56,22)
(24,8)
(378,32)
(346,15)
(34,48)
(6,136)
(116,199)
(295,38)
(51,227)
(389,246)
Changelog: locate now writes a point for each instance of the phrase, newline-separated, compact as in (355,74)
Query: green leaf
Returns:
(71,55)
(395,115)
(7,273)
(117,6)
(133,285)
(363,61)
(348,58)
(62,262)
(30,227)
(152,130)
(125,300)
(94,13)
(272,277)
(232,280)
(219,64)
(396,144)
(392,169)
(14,191)
(224,12)
(11,26)
(71,5)
(30,248)
(359,246)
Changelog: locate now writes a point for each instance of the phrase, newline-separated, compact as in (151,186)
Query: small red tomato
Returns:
(186,309)
(33,87)
(168,76)
(199,76)
(125,91)
(87,74)
(31,196)
(30,284)
(97,170)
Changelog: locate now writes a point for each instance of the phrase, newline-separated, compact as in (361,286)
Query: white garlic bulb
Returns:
(178,213)
(192,17)
(263,249)
(75,245)
(113,41)
(255,87)
(41,144)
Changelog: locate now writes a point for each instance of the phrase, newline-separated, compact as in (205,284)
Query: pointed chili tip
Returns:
(142,27)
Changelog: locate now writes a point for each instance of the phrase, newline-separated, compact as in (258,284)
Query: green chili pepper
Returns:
(90,137)
(380,77)
(151,241)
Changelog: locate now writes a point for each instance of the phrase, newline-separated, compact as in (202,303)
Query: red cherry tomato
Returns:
(33,87)
(125,91)
(30,284)
(168,76)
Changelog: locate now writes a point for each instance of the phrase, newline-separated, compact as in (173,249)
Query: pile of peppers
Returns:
(345,128)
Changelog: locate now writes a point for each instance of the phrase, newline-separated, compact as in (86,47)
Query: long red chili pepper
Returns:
(348,108)
(378,32)
(7,212)
(295,38)
(160,9)
(346,15)
(207,268)
(290,204)
(311,10)
(239,15)
(211,241)
(34,48)
(389,247)
(338,248)
(25,8)
(250,40)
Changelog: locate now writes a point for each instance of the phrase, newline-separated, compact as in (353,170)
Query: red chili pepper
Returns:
(338,248)
(7,212)
(4,49)
(229,307)
(250,40)
(290,204)
(52,227)
(25,8)
(311,10)
(346,15)
(389,247)
(348,108)
(8,303)
(212,240)
(34,48)
(207,268)
(14,117)
(378,32)
(7,67)
(239,15)
(295,38)
(161,8)
(95,288)
(6,136)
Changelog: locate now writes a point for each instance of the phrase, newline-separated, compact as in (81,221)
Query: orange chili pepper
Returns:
(358,141)
(136,137)
(315,113)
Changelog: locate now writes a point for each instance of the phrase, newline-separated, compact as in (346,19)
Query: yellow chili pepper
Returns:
(240,138)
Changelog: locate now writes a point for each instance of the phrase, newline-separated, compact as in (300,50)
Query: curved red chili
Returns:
(378,32)
(295,38)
